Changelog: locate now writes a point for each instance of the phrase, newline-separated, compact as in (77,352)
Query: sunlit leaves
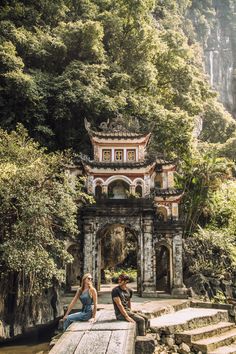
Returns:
(201,176)
(218,125)
(77,59)
(38,209)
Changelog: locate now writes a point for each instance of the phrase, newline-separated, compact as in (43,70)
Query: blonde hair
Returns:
(90,285)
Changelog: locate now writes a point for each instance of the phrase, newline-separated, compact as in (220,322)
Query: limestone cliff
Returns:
(215,26)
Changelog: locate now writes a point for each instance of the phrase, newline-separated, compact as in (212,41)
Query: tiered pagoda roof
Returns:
(116,134)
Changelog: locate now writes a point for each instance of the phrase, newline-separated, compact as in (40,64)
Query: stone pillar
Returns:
(92,251)
(90,185)
(97,264)
(164,180)
(170,179)
(125,155)
(147,183)
(178,287)
(88,246)
(175,211)
(148,284)
(140,264)
(104,189)
(132,189)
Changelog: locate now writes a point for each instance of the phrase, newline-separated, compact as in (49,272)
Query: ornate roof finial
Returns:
(118,124)
(87,124)
(104,125)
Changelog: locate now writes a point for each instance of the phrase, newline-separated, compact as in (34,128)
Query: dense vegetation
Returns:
(64,60)
(37,211)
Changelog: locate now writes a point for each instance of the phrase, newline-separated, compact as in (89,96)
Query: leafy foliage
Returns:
(37,211)
(65,60)
(215,257)
(202,175)
(222,208)
(218,125)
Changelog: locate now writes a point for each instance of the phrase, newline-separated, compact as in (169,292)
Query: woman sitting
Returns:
(88,296)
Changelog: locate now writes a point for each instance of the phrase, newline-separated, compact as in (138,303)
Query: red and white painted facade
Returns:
(121,169)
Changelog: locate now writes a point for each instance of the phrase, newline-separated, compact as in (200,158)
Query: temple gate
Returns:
(136,194)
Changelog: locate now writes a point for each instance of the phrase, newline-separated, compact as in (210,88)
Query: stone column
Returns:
(125,153)
(97,263)
(132,189)
(178,287)
(175,211)
(88,246)
(170,179)
(104,189)
(90,185)
(148,284)
(147,183)
(164,180)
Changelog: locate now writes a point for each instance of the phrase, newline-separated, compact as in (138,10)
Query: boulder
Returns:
(184,348)
(170,342)
(144,345)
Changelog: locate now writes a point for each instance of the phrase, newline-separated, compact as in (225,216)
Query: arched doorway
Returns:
(162,213)
(163,269)
(117,249)
(139,191)
(74,270)
(98,192)
(118,189)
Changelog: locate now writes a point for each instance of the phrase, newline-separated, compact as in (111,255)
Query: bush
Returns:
(113,275)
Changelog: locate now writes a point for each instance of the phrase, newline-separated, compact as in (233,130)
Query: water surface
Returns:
(42,348)
(35,342)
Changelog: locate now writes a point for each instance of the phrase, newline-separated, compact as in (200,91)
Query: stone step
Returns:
(210,344)
(229,349)
(153,309)
(187,319)
(204,332)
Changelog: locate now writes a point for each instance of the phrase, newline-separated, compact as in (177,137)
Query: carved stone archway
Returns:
(116,252)
(164,266)
(171,240)
(140,218)
(137,221)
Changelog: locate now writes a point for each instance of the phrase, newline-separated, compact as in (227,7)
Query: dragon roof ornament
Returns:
(117,125)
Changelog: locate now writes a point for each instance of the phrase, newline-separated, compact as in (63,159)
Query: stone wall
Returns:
(219,63)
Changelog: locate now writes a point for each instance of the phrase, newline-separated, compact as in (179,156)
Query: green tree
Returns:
(218,125)
(38,211)
(201,176)
(90,59)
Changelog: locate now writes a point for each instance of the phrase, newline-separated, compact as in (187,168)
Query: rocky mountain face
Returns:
(215,25)
(21,314)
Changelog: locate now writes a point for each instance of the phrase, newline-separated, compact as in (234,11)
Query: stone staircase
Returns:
(205,330)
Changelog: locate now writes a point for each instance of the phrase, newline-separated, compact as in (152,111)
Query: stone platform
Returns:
(107,335)
(205,327)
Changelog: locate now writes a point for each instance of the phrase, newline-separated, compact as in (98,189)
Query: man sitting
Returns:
(121,297)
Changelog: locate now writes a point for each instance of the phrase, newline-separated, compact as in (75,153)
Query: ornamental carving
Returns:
(90,184)
(118,124)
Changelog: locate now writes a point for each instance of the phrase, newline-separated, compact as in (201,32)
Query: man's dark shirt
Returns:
(124,295)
